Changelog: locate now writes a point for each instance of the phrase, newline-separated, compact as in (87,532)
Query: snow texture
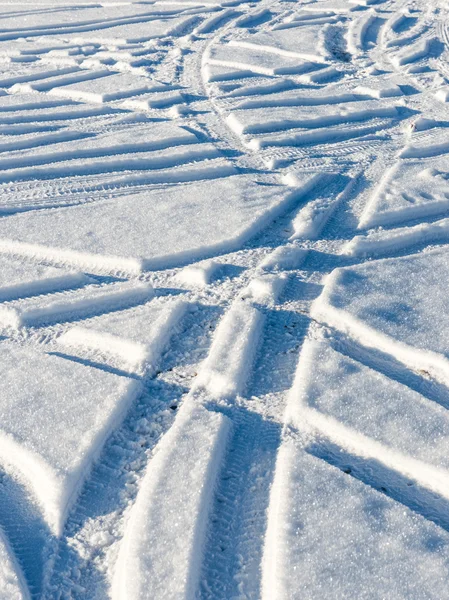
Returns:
(395,305)
(138,336)
(224,360)
(189,456)
(12,582)
(330,536)
(146,230)
(226,369)
(56,415)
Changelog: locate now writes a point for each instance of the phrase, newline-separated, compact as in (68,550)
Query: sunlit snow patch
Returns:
(55,416)
(18,279)
(330,536)
(408,190)
(136,336)
(160,556)
(396,305)
(154,229)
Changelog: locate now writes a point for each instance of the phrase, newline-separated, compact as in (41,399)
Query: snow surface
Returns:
(224,344)
(138,336)
(189,456)
(27,279)
(12,583)
(226,369)
(332,536)
(409,190)
(199,274)
(55,416)
(146,230)
(39,310)
(371,415)
(394,304)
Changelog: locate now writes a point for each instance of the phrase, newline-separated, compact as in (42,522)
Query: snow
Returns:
(313,217)
(225,372)
(379,89)
(396,305)
(265,289)
(51,84)
(281,118)
(379,241)
(52,430)
(18,278)
(36,73)
(442,94)
(138,335)
(224,229)
(330,536)
(414,52)
(159,98)
(309,46)
(199,274)
(364,402)
(409,189)
(123,235)
(130,33)
(25,312)
(12,582)
(130,139)
(288,257)
(113,87)
(190,457)
(256,59)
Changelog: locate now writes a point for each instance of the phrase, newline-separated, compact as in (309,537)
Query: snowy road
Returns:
(224,319)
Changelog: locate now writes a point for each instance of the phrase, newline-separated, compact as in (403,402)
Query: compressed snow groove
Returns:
(226,369)
(161,552)
(12,582)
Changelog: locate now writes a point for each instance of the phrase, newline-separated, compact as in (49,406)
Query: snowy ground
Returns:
(224,319)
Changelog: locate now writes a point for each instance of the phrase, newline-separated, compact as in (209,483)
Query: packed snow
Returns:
(12,582)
